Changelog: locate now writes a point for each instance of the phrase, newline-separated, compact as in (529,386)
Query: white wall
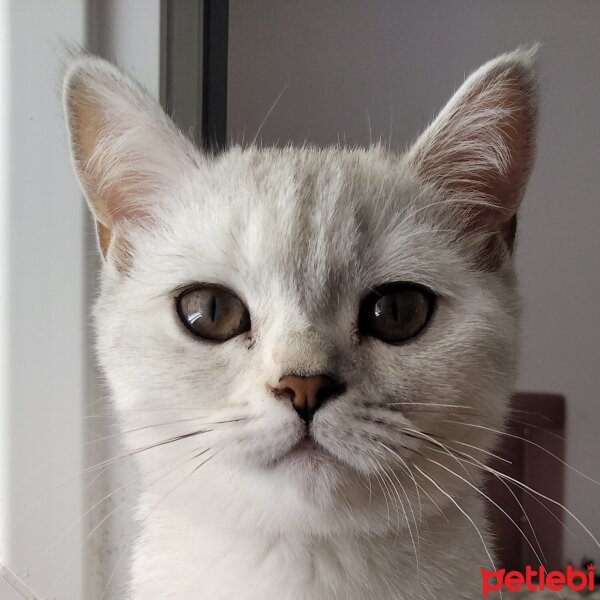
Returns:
(5,504)
(127,32)
(42,303)
(48,270)
(397,61)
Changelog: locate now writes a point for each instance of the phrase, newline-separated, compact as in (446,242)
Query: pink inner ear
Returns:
(506,185)
(122,198)
(112,184)
(111,200)
(480,149)
(126,150)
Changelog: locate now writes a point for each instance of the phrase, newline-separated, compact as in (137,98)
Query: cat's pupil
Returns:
(213,308)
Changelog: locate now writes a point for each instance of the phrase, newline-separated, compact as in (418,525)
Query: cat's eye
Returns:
(396,312)
(212,313)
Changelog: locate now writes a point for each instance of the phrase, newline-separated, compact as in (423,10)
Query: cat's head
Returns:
(325,326)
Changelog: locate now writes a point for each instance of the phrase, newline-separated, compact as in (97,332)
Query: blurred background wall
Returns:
(56,543)
(355,70)
(42,340)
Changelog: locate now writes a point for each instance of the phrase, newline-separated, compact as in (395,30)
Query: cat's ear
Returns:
(125,149)
(479,151)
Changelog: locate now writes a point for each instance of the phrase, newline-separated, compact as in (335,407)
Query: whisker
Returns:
(404,465)
(103,464)
(486,452)
(521,507)
(423,406)
(415,543)
(467,516)
(106,497)
(441,445)
(106,462)
(523,439)
(161,409)
(474,487)
(122,503)
(162,424)
(43,496)
(269,112)
(535,493)
(504,483)
(418,540)
(530,413)
(538,428)
(419,487)
(434,404)
(147,517)
(381,486)
(391,488)
(18,584)
(435,504)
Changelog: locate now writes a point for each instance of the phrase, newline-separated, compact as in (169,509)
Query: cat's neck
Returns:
(209,558)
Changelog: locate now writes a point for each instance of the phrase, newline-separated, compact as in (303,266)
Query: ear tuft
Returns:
(125,149)
(479,151)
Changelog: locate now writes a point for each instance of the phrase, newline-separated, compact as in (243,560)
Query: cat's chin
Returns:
(308,466)
(307,453)
(306,456)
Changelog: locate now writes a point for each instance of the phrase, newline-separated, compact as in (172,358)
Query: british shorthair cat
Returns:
(309,349)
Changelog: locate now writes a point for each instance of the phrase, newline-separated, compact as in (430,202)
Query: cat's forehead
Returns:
(309,223)
(308,188)
(299,200)
(306,209)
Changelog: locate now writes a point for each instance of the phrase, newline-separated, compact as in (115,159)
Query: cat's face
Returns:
(320,324)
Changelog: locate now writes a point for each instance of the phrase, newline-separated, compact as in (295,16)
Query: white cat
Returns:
(306,347)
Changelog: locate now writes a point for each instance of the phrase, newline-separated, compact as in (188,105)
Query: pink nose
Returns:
(307,394)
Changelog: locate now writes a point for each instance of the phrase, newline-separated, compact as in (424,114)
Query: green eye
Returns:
(212,313)
(396,312)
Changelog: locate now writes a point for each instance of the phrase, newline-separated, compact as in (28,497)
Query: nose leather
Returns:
(307,394)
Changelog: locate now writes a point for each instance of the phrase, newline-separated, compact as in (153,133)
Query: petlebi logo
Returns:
(537,580)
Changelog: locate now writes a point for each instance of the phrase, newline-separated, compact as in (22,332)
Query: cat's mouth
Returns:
(307,451)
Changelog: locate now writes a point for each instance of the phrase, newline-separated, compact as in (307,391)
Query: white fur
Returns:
(300,234)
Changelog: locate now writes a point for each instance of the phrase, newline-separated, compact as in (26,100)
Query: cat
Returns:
(309,349)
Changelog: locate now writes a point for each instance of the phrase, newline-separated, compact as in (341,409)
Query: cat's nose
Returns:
(307,394)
